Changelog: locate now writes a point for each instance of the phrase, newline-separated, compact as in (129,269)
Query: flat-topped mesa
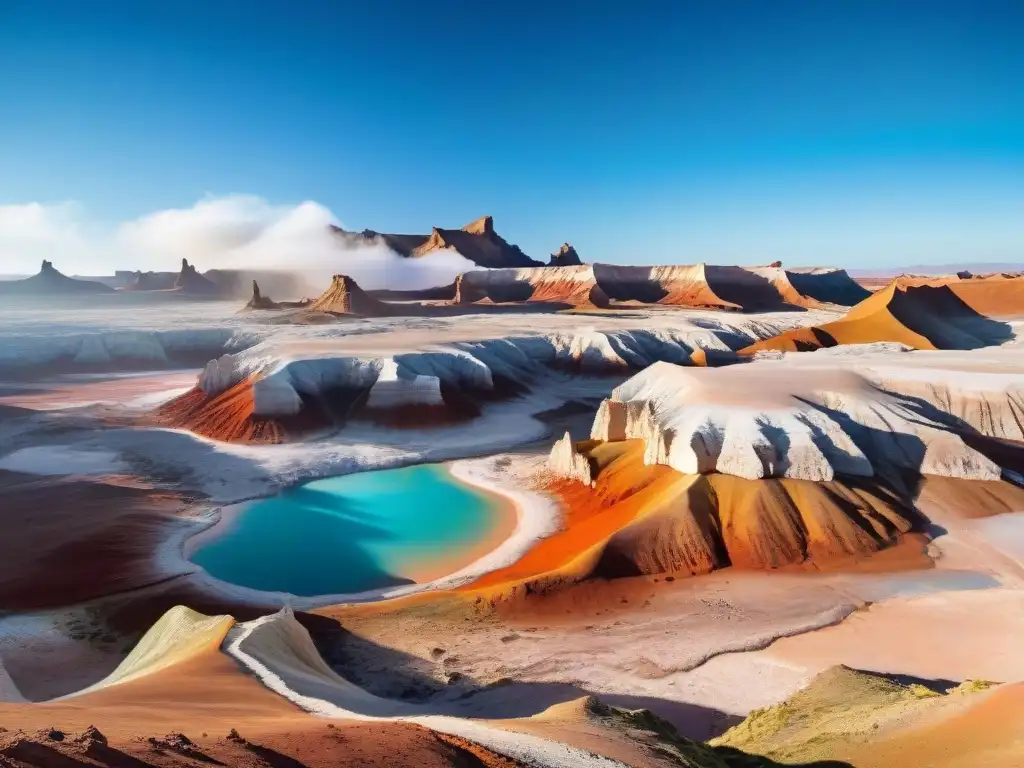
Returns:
(571,286)
(565,256)
(482,226)
(345,297)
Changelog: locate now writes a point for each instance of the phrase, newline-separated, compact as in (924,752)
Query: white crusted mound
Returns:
(761,421)
(980,390)
(116,349)
(279,386)
(220,375)
(992,403)
(396,387)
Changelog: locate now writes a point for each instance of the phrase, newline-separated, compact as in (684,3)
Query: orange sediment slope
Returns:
(953,315)
(345,297)
(590,517)
(649,519)
(228,416)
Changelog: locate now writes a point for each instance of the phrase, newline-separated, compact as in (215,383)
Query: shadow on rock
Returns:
(439,687)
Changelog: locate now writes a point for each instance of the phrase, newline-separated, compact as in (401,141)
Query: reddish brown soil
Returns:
(67,540)
(228,417)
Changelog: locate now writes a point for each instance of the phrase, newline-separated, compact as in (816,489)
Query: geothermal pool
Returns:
(354,533)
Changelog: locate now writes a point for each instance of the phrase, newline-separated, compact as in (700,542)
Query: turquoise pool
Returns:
(350,534)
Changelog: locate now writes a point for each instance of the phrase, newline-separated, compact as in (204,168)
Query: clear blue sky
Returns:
(823,131)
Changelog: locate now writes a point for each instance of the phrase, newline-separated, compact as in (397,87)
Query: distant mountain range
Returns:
(49,282)
(980,268)
(477,241)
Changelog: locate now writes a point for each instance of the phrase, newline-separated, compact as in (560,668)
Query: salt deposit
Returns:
(760,421)
(63,460)
(392,390)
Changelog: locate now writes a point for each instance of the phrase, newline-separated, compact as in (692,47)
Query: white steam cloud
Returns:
(234,232)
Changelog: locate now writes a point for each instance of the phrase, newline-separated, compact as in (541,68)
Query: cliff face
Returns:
(572,286)
(478,242)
